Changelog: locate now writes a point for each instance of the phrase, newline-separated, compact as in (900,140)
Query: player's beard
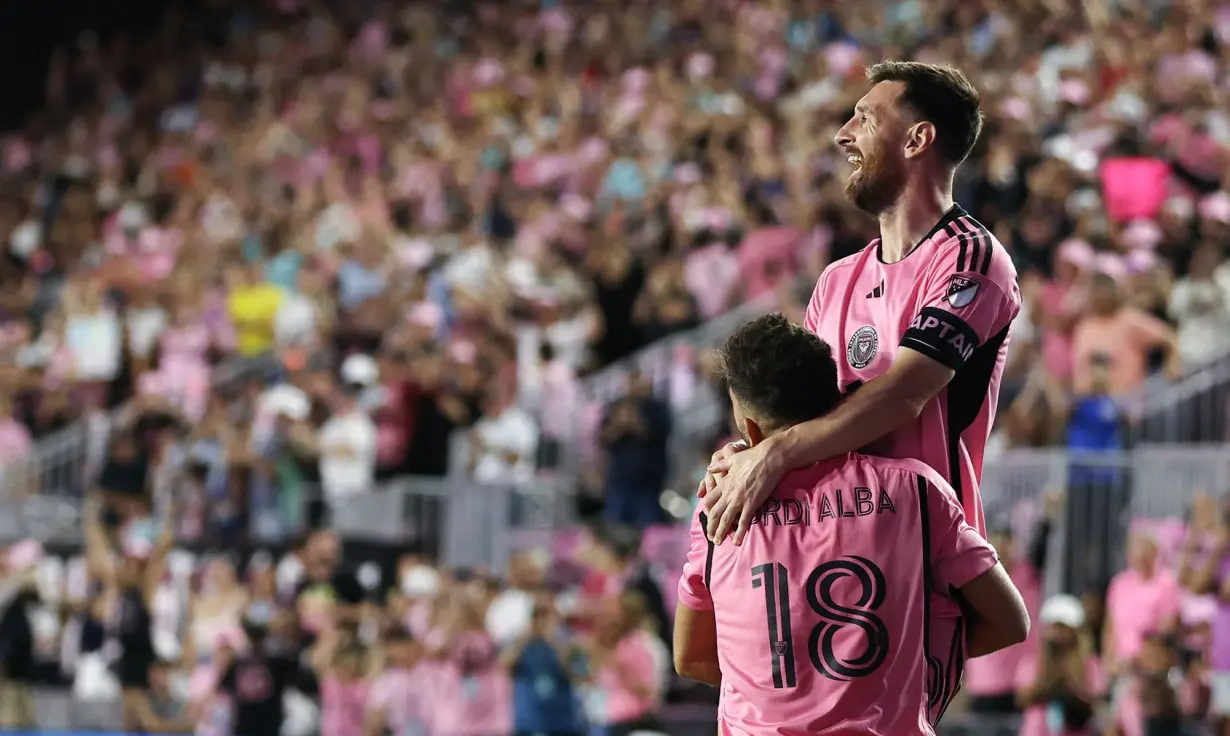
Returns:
(876,185)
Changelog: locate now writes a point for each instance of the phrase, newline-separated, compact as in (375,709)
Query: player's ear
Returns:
(752,432)
(919,138)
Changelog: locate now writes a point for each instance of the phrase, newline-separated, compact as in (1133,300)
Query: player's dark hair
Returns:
(941,95)
(780,372)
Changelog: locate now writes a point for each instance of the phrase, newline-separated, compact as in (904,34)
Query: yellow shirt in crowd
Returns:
(252,310)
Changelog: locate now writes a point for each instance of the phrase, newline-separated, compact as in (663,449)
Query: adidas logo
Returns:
(877,292)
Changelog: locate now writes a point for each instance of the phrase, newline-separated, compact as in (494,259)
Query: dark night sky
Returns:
(30,29)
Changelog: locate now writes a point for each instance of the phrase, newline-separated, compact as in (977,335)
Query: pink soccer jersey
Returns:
(823,613)
(952,299)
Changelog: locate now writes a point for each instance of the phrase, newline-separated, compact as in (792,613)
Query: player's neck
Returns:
(918,209)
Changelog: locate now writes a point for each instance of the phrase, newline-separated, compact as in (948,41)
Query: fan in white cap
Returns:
(1064,610)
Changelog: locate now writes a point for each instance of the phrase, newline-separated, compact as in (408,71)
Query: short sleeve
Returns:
(694,582)
(811,319)
(958,552)
(970,295)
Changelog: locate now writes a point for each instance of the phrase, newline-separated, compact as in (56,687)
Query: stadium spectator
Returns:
(347,446)
(991,680)
(1122,336)
(504,441)
(629,668)
(635,432)
(1142,599)
(1059,688)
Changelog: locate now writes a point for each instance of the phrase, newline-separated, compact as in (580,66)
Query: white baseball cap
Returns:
(1066,610)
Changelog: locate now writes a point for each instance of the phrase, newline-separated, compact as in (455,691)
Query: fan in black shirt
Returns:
(256,683)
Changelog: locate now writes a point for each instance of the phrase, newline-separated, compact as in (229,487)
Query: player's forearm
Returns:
(708,673)
(875,410)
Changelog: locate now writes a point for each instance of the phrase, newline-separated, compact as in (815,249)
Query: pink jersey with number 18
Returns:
(952,299)
(823,613)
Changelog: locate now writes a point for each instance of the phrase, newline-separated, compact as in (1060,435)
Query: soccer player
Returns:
(921,314)
(818,623)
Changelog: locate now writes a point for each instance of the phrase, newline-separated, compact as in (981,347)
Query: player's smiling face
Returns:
(872,141)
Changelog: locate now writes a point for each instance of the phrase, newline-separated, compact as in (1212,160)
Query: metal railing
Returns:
(63,462)
(1195,409)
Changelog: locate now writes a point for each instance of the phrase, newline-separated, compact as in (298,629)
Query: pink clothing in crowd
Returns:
(996,673)
(638,659)
(401,695)
(1137,606)
(891,553)
(712,274)
(562,395)
(343,706)
(478,704)
(765,255)
(1126,337)
(15,441)
(1035,721)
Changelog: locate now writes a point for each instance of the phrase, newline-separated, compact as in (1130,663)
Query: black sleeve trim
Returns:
(704,524)
(941,336)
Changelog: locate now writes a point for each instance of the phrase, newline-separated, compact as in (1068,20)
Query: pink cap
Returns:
(1142,235)
(687,173)
(576,206)
(700,65)
(1139,261)
(138,547)
(463,351)
(1215,207)
(636,79)
(426,314)
(1074,91)
(1015,108)
(25,554)
(414,254)
(488,72)
(841,58)
(1076,252)
(1111,265)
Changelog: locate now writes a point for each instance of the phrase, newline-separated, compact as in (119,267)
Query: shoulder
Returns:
(966,246)
(841,265)
(904,467)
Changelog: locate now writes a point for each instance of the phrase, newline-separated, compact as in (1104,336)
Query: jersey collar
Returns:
(949,217)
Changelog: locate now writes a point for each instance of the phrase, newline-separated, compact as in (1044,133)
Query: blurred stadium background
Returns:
(439,282)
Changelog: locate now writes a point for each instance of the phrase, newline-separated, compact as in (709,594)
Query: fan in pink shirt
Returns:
(819,622)
(398,699)
(470,694)
(1140,600)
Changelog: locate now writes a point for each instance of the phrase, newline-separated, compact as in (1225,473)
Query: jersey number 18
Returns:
(835,615)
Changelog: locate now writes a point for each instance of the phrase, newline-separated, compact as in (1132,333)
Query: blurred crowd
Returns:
(304,244)
(1140,654)
(312,642)
(489,200)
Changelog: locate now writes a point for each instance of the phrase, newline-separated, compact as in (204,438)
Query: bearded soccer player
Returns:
(921,314)
(819,622)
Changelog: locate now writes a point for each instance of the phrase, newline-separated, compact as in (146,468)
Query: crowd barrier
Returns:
(471,524)
(1193,410)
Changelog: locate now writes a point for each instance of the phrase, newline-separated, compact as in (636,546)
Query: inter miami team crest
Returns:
(961,291)
(861,349)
